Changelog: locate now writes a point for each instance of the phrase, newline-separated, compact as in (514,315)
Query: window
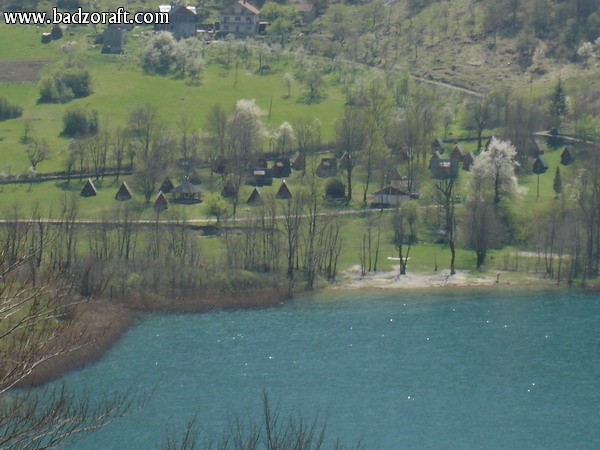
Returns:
(237,19)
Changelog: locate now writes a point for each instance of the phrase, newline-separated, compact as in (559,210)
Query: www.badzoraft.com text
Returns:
(80,17)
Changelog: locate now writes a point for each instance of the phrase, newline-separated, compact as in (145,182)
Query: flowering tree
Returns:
(494,171)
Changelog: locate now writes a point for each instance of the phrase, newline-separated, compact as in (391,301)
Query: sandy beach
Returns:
(351,279)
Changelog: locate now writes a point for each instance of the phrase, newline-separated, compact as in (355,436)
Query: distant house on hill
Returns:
(240,18)
(468,161)
(114,38)
(442,169)
(182,20)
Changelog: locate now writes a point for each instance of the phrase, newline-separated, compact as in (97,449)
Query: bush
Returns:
(79,122)
(335,189)
(9,110)
(65,85)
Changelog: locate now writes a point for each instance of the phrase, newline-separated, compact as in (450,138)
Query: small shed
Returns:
(389,196)
(160,203)
(261,163)
(281,168)
(536,149)
(255,198)
(327,168)
(167,186)
(46,38)
(88,190)
(540,165)
(124,193)
(283,193)
(567,156)
(187,193)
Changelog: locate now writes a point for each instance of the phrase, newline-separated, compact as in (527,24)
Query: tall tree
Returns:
(352,137)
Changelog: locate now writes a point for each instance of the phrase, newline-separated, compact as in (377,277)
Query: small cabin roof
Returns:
(283,193)
(88,190)
(124,193)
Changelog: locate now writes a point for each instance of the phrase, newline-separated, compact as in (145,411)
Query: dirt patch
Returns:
(19,70)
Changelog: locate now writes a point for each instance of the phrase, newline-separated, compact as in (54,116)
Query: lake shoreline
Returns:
(108,321)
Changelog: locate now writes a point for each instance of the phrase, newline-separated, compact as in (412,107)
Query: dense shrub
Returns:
(65,85)
(78,121)
(9,110)
(335,188)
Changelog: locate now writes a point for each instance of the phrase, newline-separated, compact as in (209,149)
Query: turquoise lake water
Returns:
(447,370)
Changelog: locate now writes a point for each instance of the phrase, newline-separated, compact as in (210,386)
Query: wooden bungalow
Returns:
(167,186)
(394,175)
(160,203)
(327,168)
(261,163)
(298,162)
(124,193)
(255,198)
(567,156)
(540,165)
(457,152)
(186,193)
(88,190)
(443,169)
(389,196)
(283,193)
(468,161)
(281,168)
(261,177)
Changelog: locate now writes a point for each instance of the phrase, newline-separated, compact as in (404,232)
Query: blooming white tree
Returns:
(494,172)
(284,136)
(585,51)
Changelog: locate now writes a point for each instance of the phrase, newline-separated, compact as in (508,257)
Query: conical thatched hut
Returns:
(283,193)
(124,193)
(88,190)
(567,156)
(160,203)
(187,193)
(228,190)
(167,186)
(255,198)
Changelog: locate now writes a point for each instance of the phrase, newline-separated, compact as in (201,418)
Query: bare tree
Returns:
(400,238)
(352,137)
(447,201)
(37,152)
